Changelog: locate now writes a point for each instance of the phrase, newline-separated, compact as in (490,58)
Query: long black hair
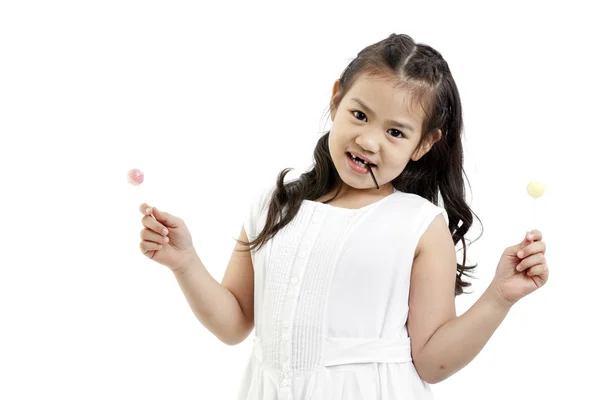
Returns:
(440,171)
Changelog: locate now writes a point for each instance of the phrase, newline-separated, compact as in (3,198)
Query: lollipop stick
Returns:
(373,176)
(140,195)
(533,215)
(143,199)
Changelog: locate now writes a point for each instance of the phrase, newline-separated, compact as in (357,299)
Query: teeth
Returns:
(357,162)
(356,159)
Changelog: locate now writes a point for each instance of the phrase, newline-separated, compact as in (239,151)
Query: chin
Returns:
(356,181)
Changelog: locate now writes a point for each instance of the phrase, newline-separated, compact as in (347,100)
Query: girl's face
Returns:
(375,119)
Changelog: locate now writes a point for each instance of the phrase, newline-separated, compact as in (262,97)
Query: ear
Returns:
(425,147)
(335,92)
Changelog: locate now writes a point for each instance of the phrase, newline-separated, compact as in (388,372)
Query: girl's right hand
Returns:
(165,238)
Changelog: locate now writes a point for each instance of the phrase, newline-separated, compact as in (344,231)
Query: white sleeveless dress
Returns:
(331,302)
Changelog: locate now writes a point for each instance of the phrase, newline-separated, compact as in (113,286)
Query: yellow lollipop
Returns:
(535,189)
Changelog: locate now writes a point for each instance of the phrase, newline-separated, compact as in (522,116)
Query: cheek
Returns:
(340,131)
(331,143)
(397,161)
(333,136)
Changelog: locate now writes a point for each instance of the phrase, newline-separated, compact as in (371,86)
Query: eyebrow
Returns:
(389,121)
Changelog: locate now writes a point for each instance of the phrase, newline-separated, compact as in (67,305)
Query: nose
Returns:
(369,141)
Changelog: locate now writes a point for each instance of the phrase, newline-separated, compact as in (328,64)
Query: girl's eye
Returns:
(400,134)
(359,115)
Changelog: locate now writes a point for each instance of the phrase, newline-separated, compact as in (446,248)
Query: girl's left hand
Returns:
(522,269)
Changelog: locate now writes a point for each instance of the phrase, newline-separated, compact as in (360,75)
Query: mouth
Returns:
(359,166)
(360,161)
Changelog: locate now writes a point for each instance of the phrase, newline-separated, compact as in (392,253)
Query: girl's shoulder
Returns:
(422,208)
(416,200)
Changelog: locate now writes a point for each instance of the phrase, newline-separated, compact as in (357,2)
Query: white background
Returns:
(211,101)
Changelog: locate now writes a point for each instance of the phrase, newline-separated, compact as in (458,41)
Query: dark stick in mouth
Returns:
(372,176)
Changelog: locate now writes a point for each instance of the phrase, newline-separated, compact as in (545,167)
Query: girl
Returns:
(348,273)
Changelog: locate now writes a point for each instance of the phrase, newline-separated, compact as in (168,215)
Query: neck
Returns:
(350,192)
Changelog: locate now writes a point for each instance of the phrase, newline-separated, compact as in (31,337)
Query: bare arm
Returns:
(226,309)
(442,342)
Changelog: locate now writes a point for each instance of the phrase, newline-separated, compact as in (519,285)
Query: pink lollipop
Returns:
(135,176)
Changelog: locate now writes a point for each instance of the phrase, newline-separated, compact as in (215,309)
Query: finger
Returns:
(532,248)
(147,247)
(534,235)
(530,261)
(145,209)
(165,218)
(150,236)
(530,237)
(539,270)
(154,225)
